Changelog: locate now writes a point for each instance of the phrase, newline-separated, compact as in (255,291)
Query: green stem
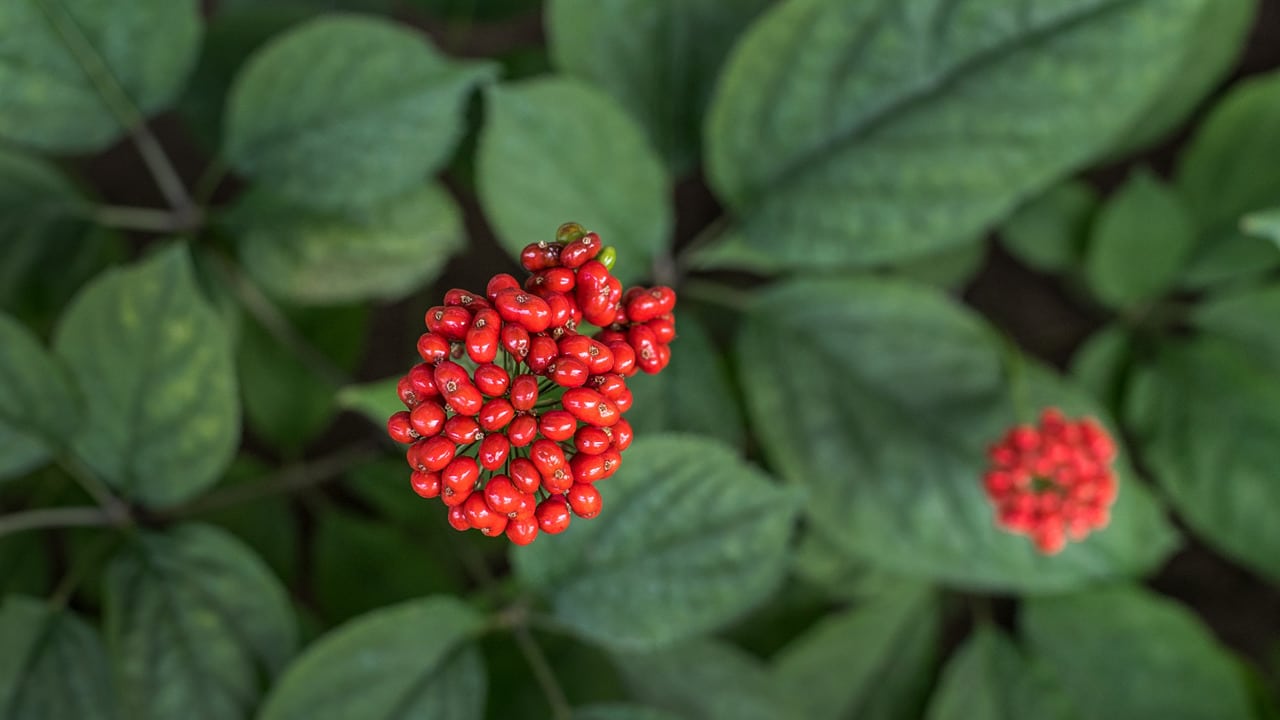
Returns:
(137,218)
(115,509)
(706,236)
(55,518)
(715,293)
(542,672)
(1015,371)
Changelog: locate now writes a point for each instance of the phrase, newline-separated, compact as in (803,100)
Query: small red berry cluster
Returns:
(1053,481)
(513,414)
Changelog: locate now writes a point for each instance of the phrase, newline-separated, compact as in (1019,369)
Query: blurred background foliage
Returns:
(897,227)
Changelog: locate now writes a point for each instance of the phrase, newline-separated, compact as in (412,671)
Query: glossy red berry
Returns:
(425,484)
(495,415)
(433,454)
(590,407)
(557,425)
(493,452)
(663,328)
(592,440)
(458,519)
(584,500)
(522,430)
(427,419)
(553,515)
(525,475)
(522,531)
(491,380)
(524,392)
(433,348)
(502,496)
(462,429)
(569,372)
(579,251)
(524,309)
(515,340)
(421,380)
(465,298)
(400,429)
(622,435)
(542,351)
(450,322)
(406,394)
(498,283)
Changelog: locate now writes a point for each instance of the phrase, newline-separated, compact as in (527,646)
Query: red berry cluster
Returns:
(513,415)
(1053,481)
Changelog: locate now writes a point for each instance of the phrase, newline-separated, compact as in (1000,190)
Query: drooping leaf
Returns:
(64,65)
(52,665)
(1247,317)
(1224,174)
(194,620)
(38,401)
(1263,224)
(344,111)
(1123,653)
(155,364)
(1100,364)
(407,660)
(704,680)
(1141,238)
(1214,446)
(690,538)
(880,399)
(384,251)
(376,400)
(554,150)
(884,649)
(658,58)
(692,394)
(852,134)
(989,678)
(1049,232)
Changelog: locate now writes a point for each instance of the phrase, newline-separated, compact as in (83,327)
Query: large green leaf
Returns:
(194,620)
(58,56)
(155,364)
(344,111)
(692,394)
(1247,317)
(658,58)
(384,251)
(555,150)
(855,133)
(884,650)
(38,401)
(1141,238)
(880,398)
(989,678)
(1123,653)
(690,538)
(613,711)
(408,660)
(1214,446)
(705,680)
(1049,231)
(1264,224)
(52,665)
(1225,174)
(376,400)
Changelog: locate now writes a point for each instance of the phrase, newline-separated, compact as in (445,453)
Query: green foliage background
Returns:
(896,226)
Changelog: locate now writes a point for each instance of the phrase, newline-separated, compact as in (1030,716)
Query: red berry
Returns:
(458,519)
(495,415)
(462,429)
(590,407)
(641,306)
(492,380)
(666,299)
(557,425)
(641,339)
(524,392)
(611,385)
(592,440)
(481,517)
(584,500)
(515,340)
(427,419)
(451,322)
(502,496)
(587,468)
(622,435)
(459,476)
(425,484)
(581,250)
(556,279)
(421,379)
(524,309)
(433,454)
(407,396)
(400,429)
(483,336)
(525,476)
(433,348)
(663,328)
(542,350)
(569,372)
(539,255)
(465,298)
(561,309)
(455,385)
(623,400)
(522,531)
(611,461)
(553,515)
(522,430)
(493,451)
(498,283)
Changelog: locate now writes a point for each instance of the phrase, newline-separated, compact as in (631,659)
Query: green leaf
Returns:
(884,650)
(59,57)
(1214,446)
(822,561)
(613,711)
(918,124)
(1225,174)
(880,398)
(1100,365)
(1141,238)
(376,400)
(658,58)
(37,400)
(554,150)
(1220,34)
(1247,317)
(1049,231)
(1263,224)
(383,252)
(268,524)
(1123,653)
(989,678)
(194,619)
(286,400)
(52,665)
(692,394)
(344,111)
(949,268)
(155,364)
(691,537)
(471,11)
(408,660)
(704,680)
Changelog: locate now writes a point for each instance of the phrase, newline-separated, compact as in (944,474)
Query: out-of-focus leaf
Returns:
(1049,231)
(614,711)
(1099,365)
(345,111)
(555,150)
(376,400)
(155,362)
(691,537)
(58,57)
(409,660)
(52,665)
(1263,224)
(1141,238)
(880,399)
(883,649)
(854,134)
(37,400)
(658,58)
(1246,317)
(194,619)
(705,680)
(384,251)
(1123,653)
(989,678)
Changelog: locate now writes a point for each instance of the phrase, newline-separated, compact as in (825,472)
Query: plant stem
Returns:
(115,509)
(290,479)
(542,672)
(705,236)
(715,293)
(55,518)
(137,218)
